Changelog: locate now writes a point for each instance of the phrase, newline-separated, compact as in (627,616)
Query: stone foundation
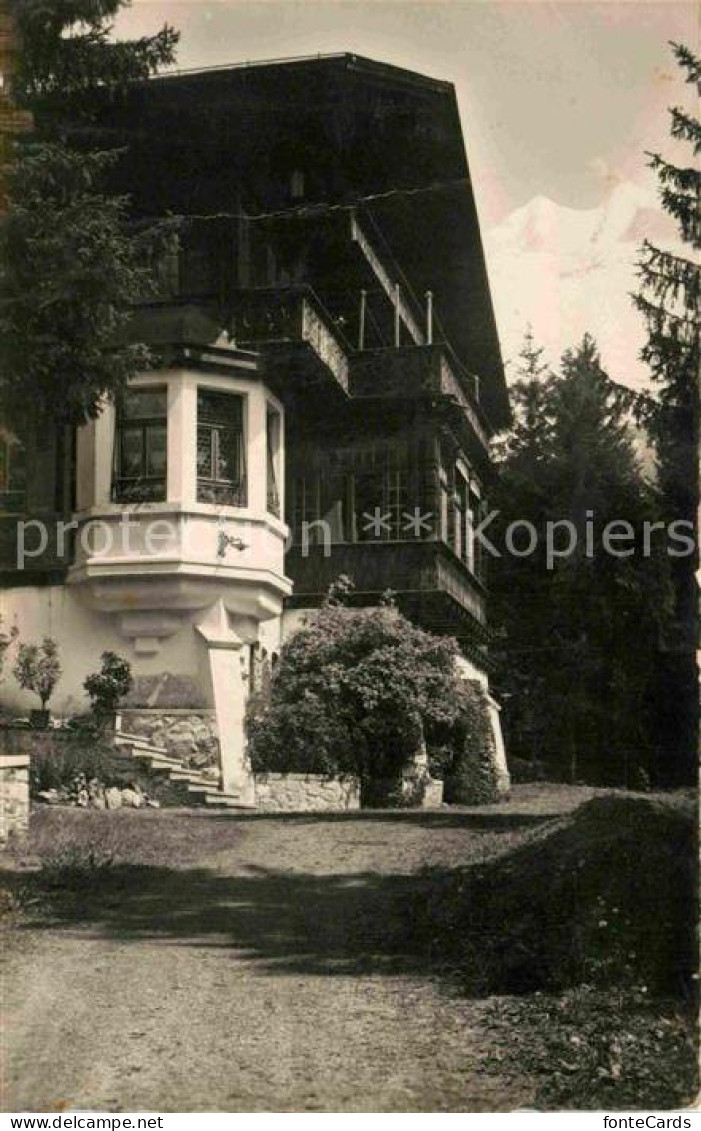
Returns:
(189,735)
(14,797)
(411,791)
(288,793)
(433,794)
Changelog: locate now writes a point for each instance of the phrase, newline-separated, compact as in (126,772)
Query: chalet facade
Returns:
(327,382)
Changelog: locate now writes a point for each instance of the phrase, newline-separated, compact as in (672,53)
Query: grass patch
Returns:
(600,1050)
(77,857)
(604,896)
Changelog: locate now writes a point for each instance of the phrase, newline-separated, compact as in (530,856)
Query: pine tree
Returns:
(529,438)
(669,302)
(580,638)
(66,55)
(70,266)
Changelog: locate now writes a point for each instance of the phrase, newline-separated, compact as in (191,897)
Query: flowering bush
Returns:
(470,772)
(353,693)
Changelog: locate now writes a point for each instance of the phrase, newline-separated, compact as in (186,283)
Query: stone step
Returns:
(225,800)
(165,765)
(194,776)
(137,741)
(198,785)
(210,795)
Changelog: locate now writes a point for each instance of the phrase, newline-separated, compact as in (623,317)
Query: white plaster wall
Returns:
(468,670)
(83,634)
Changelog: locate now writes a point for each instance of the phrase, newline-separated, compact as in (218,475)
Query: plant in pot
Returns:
(107,687)
(37,669)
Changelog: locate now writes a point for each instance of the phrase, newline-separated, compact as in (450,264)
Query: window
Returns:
(273,461)
(306,508)
(480,511)
(13,474)
(460,516)
(364,493)
(141,447)
(221,452)
(444,503)
(380,491)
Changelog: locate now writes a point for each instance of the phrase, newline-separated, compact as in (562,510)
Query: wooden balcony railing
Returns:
(288,316)
(412,370)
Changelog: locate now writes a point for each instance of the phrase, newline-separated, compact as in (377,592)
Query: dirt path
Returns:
(265,971)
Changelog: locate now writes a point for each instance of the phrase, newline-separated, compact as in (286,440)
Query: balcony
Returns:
(296,333)
(426,575)
(412,371)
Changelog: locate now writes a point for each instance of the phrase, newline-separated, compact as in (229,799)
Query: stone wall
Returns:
(190,735)
(289,793)
(14,797)
(411,791)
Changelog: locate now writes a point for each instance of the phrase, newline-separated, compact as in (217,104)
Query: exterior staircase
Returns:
(197,788)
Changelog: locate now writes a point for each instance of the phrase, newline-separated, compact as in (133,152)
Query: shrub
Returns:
(75,867)
(85,755)
(38,669)
(604,897)
(353,693)
(66,763)
(465,758)
(108,686)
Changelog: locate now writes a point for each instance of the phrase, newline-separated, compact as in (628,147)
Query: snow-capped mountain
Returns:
(568,271)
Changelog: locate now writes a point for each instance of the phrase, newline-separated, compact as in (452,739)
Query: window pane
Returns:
(204,452)
(144,404)
(273,453)
(227,454)
(141,446)
(13,475)
(156,451)
(221,463)
(132,463)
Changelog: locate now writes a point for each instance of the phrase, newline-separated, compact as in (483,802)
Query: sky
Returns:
(557,99)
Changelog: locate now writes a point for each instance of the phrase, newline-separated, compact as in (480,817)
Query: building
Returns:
(327,382)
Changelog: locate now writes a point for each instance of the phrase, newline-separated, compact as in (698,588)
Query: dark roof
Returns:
(359,62)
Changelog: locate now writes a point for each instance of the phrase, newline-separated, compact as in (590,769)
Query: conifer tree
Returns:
(70,267)
(579,637)
(669,302)
(529,394)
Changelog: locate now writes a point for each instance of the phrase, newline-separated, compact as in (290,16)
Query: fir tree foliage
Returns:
(71,265)
(668,300)
(578,640)
(67,53)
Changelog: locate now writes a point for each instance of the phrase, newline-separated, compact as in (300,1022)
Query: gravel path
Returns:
(266,968)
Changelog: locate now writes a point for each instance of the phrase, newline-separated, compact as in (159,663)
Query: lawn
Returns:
(486,920)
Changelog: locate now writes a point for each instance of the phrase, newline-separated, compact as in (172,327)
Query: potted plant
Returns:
(108,686)
(37,669)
